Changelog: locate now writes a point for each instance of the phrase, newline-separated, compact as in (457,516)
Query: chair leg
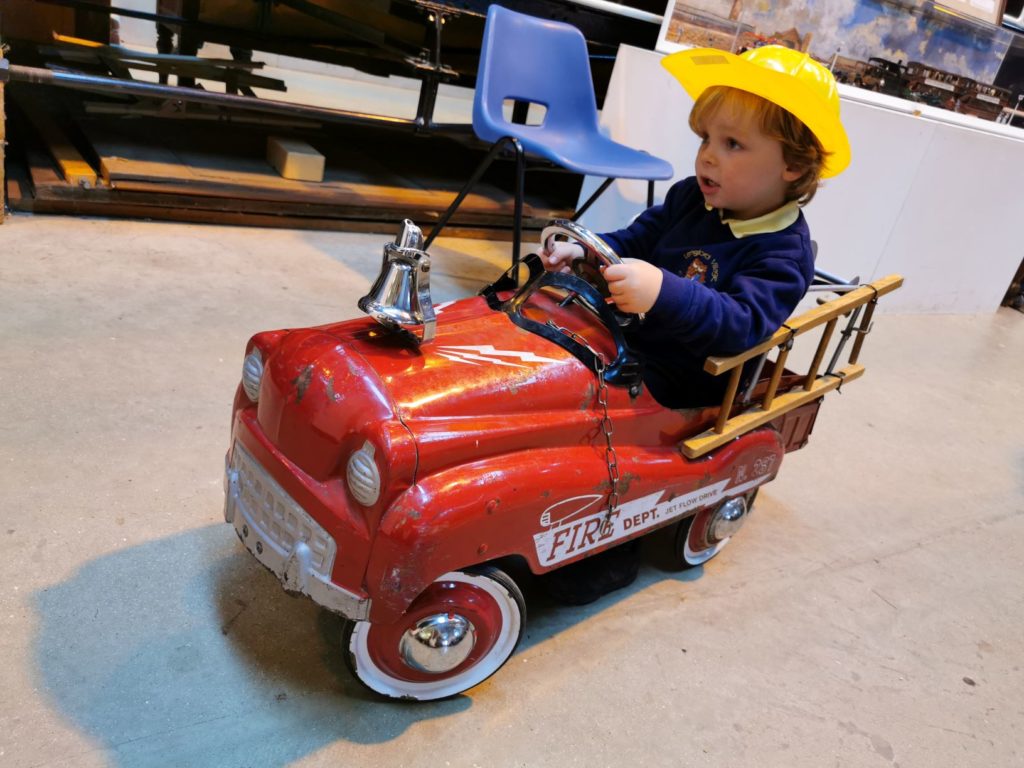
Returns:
(468,186)
(517,234)
(590,200)
(600,190)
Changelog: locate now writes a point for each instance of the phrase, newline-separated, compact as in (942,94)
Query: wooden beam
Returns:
(73,166)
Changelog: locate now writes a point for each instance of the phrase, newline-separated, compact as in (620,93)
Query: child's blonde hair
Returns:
(801,150)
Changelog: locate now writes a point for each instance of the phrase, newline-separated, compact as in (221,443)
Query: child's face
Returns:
(739,169)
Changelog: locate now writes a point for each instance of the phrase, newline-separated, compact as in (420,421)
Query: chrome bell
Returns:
(400,296)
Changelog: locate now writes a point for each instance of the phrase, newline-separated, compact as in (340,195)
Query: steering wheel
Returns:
(596,254)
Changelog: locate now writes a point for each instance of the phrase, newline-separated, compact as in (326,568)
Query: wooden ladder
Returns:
(772,405)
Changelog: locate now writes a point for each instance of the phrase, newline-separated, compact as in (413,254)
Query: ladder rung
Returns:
(758,416)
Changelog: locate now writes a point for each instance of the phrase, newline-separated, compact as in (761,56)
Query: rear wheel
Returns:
(455,635)
(702,536)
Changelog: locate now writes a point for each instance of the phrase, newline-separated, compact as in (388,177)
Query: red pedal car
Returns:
(387,466)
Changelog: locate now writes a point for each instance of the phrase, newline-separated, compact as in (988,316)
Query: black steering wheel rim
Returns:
(596,254)
(623,370)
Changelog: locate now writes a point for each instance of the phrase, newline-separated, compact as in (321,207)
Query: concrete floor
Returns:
(869,614)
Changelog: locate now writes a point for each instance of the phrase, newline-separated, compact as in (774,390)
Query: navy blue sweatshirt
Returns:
(720,294)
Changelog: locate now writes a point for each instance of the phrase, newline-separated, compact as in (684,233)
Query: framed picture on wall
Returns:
(712,24)
(986,10)
(668,41)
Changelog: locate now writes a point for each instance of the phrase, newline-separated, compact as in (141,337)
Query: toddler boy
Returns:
(723,262)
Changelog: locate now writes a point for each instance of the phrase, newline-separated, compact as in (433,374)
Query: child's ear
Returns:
(791,174)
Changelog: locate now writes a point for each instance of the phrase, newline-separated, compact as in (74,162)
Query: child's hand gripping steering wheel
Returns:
(596,254)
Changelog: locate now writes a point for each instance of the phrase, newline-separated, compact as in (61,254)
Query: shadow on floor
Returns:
(185,651)
(546,617)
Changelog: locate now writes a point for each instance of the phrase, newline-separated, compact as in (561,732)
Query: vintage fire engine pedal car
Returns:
(384,466)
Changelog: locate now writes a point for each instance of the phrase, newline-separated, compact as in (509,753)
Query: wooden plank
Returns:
(19,193)
(84,207)
(53,191)
(351,178)
(758,416)
(367,177)
(72,165)
(210,175)
(123,162)
(43,173)
(494,227)
(54,196)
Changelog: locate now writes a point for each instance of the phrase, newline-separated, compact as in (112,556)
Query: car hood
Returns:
(483,386)
(478,364)
(320,400)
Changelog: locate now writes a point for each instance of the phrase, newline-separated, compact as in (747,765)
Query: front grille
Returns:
(276,516)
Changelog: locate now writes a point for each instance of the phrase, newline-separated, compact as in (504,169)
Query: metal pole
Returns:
(97,84)
(850,329)
(3,121)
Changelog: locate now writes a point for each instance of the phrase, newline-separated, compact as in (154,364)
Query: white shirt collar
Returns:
(773,221)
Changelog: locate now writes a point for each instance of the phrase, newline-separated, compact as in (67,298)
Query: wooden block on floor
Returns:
(295,159)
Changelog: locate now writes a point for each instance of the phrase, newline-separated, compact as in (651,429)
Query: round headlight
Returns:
(363,476)
(252,374)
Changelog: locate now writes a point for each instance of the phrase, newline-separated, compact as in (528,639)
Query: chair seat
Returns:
(585,152)
(527,60)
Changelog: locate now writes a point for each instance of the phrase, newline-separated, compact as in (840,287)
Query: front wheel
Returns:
(455,635)
(702,536)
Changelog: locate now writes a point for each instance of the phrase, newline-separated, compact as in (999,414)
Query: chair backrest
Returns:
(534,60)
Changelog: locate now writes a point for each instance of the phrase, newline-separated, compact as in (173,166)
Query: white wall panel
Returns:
(930,194)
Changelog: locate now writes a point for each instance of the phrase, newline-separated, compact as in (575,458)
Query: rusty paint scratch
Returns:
(625,481)
(301,382)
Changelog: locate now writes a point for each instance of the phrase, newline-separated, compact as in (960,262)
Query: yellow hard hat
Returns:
(791,79)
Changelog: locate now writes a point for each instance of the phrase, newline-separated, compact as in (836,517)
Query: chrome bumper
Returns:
(283,536)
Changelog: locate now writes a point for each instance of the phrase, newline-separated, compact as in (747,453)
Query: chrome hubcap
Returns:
(728,519)
(438,643)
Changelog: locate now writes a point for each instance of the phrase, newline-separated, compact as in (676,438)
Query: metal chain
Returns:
(610,456)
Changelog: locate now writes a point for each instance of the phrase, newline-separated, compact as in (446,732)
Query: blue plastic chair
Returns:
(535,61)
